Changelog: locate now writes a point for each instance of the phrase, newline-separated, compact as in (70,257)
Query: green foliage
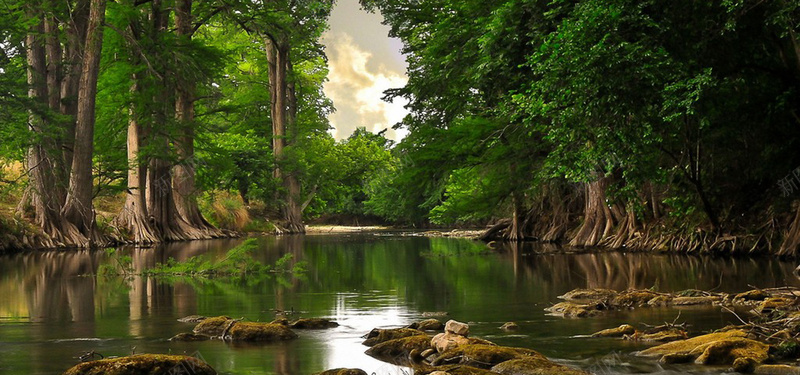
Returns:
(239,262)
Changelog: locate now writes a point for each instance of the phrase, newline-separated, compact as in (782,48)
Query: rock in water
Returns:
(377,336)
(534,366)
(398,351)
(457,328)
(427,325)
(143,364)
(445,341)
(248,331)
(213,326)
(720,348)
(314,323)
(625,329)
(509,326)
(483,356)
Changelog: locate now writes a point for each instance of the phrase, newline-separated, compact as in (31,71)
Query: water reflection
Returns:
(362,281)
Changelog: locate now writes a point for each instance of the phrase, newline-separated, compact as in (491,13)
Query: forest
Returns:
(646,125)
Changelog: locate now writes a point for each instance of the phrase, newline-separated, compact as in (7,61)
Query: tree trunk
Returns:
(43,155)
(184,172)
(133,216)
(598,220)
(160,196)
(278,59)
(791,240)
(71,75)
(78,209)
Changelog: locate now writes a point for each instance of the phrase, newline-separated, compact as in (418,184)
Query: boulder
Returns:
(664,335)
(427,325)
(457,328)
(313,323)
(343,371)
(720,348)
(744,365)
(444,341)
(535,365)
(451,370)
(588,295)
(249,331)
(482,355)
(377,336)
(726,351)
(573,310)
(143,364)
(509,326)
(213,326)
(625,329)
(633,298)
(686,346)
(398,351)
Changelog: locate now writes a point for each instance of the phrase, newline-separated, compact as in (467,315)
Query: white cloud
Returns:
(357,90)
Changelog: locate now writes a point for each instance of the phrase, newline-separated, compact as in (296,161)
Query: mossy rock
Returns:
(343,371)
(213,326)
(534,366)
(633,298)
(377,335)
(143,364)
(249,331)
(588,295)
(693,301)
(313,323)
(625,329)
(686,346)
(398,351)
(666,335)
(573,310)
(427,325)
(726,351)
(777,370)
(744,365)
(189,336)
(482,355)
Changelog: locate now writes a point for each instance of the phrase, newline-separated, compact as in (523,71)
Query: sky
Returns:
(363,63)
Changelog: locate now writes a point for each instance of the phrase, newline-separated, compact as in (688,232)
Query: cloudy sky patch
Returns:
(363,62)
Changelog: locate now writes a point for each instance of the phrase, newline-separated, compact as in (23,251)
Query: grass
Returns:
(238,263)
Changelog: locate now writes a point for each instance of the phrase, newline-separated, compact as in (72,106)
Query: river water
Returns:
(53,308)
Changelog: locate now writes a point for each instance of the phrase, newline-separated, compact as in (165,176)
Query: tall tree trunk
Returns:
(598,220)
(183,179)
(71,75)
(278,59)
(43,154)
(78,209)
(160,195)
(133,216)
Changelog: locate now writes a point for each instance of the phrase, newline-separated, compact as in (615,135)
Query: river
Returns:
(53,307)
